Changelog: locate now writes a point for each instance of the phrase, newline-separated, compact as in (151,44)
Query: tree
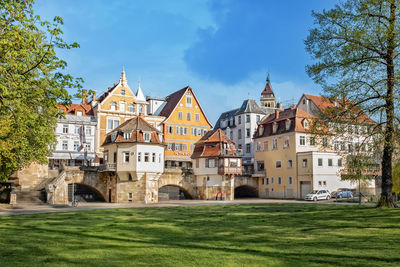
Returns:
(396,178)
(356,48)
(31,83)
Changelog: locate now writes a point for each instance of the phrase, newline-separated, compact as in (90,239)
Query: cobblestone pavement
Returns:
(7,210)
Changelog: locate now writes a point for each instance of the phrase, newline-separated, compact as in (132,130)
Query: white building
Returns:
(75,137)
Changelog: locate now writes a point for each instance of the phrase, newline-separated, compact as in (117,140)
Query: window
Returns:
(248,148)
(262,180)
(127,136)
(304,163)
(319,183)
(324,141)
(88,130)
(266,180)
(239,119)
(312,141)
(77,129)
(139,156)
(65,128)
(159,158)
(153,157)
(194,131)
(188,116)
(275,143)
(122,106)
(170,129)
(79,113)
(330,162)
(260,165)
(324,182)
(247,118)
(320,162)
(272,180)
(131,108)
(76,145)
(122,92)
(112,124)
(258,147)
(247,132)
(65,145)
(140,109)
(279,180)
(287,124)
(304,101)
(302,140)
(130,177)
(342,146)
(126,157)
(285,141)
(197,117)
(350,147)
(88,147)
(278,164)
(290,180)
(211,163)
(113,106)
(265,145)
(274,127)
(339,162)
(258,118)
(231,135)
(240,134)
(180,115)
(147,137)
(146,157)
(169,146)
(129,194)
(189,99)
(289,164)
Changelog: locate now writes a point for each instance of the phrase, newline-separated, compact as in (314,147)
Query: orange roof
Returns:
(323,103)
(214,143)
(72,108)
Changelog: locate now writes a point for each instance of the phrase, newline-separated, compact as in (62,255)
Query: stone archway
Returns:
(173,192)
(246,191)
(84,192)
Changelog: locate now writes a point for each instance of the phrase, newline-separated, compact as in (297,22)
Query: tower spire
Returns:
(123,79)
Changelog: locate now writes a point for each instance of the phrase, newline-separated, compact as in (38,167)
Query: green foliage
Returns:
(356,46)
(396,178)
(31,83)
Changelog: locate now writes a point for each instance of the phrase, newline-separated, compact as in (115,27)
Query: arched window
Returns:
(113,106)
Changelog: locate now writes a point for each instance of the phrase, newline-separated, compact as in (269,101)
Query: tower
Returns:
(267,96)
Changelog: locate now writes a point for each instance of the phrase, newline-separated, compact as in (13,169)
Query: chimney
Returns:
(94,100)
(84,95)
(276,114)
(292,106)
(279,105)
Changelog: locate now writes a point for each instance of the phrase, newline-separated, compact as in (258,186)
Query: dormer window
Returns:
(305,124)
(79,113)
(127,136)
(287,124)
(274,127)
(113,106)
(189,99)
(260,130)
(146,137)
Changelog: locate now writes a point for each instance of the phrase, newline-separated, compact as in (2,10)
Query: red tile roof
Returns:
(71,109)
(212,145)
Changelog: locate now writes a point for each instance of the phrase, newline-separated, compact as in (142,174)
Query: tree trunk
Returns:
(386,199)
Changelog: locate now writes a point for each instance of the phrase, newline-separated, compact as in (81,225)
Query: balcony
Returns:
(260,173)
(108,167)
(230,170)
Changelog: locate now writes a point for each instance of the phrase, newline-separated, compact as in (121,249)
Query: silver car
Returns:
(318,195)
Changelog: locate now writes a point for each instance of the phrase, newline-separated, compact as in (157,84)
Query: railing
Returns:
(108,167)
(262,173)
(229,170)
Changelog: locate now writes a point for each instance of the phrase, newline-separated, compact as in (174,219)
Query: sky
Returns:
(223,49)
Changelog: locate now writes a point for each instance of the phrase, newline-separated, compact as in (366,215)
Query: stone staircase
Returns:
(32,197)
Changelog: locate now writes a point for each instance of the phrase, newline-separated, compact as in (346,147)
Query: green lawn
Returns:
(263,235)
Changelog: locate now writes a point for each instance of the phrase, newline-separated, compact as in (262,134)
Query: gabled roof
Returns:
(140,96)
(172,101)
(225,115)
(70,109)
(323,103)
(136,126)
(268,88)
(214,143)
(250,106)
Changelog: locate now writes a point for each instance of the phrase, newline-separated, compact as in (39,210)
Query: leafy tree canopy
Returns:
(31,83)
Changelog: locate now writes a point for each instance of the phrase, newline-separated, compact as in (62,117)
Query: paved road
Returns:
(32,209)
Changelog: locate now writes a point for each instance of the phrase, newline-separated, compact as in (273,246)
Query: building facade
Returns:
(134,159)
(117,105)
(185,123)
(216,163)
(75,133)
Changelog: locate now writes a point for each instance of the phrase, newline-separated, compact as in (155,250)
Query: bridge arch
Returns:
(173,192)
(246,191)
(84,192)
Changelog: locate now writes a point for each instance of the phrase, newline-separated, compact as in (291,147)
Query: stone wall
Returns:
(30,176)
(177,177)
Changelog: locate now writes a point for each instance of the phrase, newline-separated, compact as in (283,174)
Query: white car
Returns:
(318,195)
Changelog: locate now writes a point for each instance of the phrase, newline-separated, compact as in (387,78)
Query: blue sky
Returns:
(223,49)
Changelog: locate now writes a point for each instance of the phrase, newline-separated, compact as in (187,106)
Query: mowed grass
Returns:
(232,235)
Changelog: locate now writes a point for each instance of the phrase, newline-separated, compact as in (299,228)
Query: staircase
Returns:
(32,197)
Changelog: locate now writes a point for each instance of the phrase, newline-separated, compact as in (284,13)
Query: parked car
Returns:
(343,194)
(318,195)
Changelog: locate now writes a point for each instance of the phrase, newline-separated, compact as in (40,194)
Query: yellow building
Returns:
(117,105)
(184,125)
